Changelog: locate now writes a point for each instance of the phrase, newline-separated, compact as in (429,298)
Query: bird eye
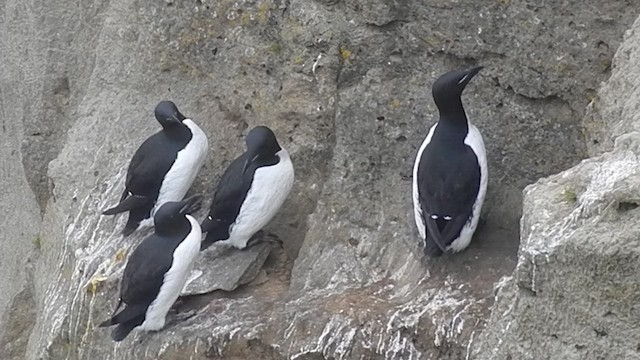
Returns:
(447,218)
(434,217)
(210,218)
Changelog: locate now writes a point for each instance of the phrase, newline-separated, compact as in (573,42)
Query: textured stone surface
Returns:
(613,111)
(575,290)
(345,86)
(225,269)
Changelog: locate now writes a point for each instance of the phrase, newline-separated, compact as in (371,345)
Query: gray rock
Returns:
(345,86)
(574,292)
(225,269)
(613,111)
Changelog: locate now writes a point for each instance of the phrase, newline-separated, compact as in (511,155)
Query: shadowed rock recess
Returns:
(345,85)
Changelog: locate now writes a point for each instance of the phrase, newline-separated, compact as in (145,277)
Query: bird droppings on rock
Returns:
(113,52)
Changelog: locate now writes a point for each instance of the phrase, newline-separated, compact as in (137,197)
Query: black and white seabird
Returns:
(157,270)
(250,192)
(163,168)
(450,171)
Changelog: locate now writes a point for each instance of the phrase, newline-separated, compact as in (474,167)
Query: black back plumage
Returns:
(149,165)
(449,183)
(236,181)
(144,273)
(448,170)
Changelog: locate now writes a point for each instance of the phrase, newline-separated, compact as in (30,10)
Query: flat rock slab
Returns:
(225,269)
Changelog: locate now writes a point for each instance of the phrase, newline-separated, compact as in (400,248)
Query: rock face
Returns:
(225,269)
(574,293)
(345,85)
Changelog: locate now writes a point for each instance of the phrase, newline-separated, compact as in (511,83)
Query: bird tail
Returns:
(117,307)
(132,202)
(123,329)
(129,313)
(431,248)
(216,231)
(127,320)
(131,226)
(108,322)
(432,231)
(208,241)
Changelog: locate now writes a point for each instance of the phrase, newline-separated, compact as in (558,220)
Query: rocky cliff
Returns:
(346,87)
(574,293)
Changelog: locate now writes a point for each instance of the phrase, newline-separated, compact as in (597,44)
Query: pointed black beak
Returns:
(189,204)
(470,74)
(473,71)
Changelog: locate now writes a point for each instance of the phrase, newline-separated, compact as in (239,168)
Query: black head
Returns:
(171,216)
(168,115)
(262,141)
(261,144)
(448,88)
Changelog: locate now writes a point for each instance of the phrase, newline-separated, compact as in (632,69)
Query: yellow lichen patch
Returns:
(94,283)
(605,65)
(395,103)
(37,242)
(345,53)
(245,18)
(431,41)
(275,48)
(120,255)
(297,60)
(263,12)
(569,196)
(562,67)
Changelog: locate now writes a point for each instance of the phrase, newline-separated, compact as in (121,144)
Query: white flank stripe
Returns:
(174,279)
(270,187)
(184,170)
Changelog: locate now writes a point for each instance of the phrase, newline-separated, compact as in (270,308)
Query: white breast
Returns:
(417,210)
(270,187)
(475,142)
(174,280)
(184,170)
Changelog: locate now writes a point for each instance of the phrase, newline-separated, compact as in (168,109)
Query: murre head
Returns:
(261,139)
(261,142)
(171,215)
(168,115)
(448,88)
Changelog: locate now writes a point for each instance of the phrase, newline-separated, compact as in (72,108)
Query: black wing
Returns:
(141,282)
(232,189)
(144,274)
(145,174)
(448,186)
(229,195)
(150,163)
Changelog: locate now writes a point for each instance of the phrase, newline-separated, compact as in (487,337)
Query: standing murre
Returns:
(450,172)
(157,270)
(163,168)
(250,192)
